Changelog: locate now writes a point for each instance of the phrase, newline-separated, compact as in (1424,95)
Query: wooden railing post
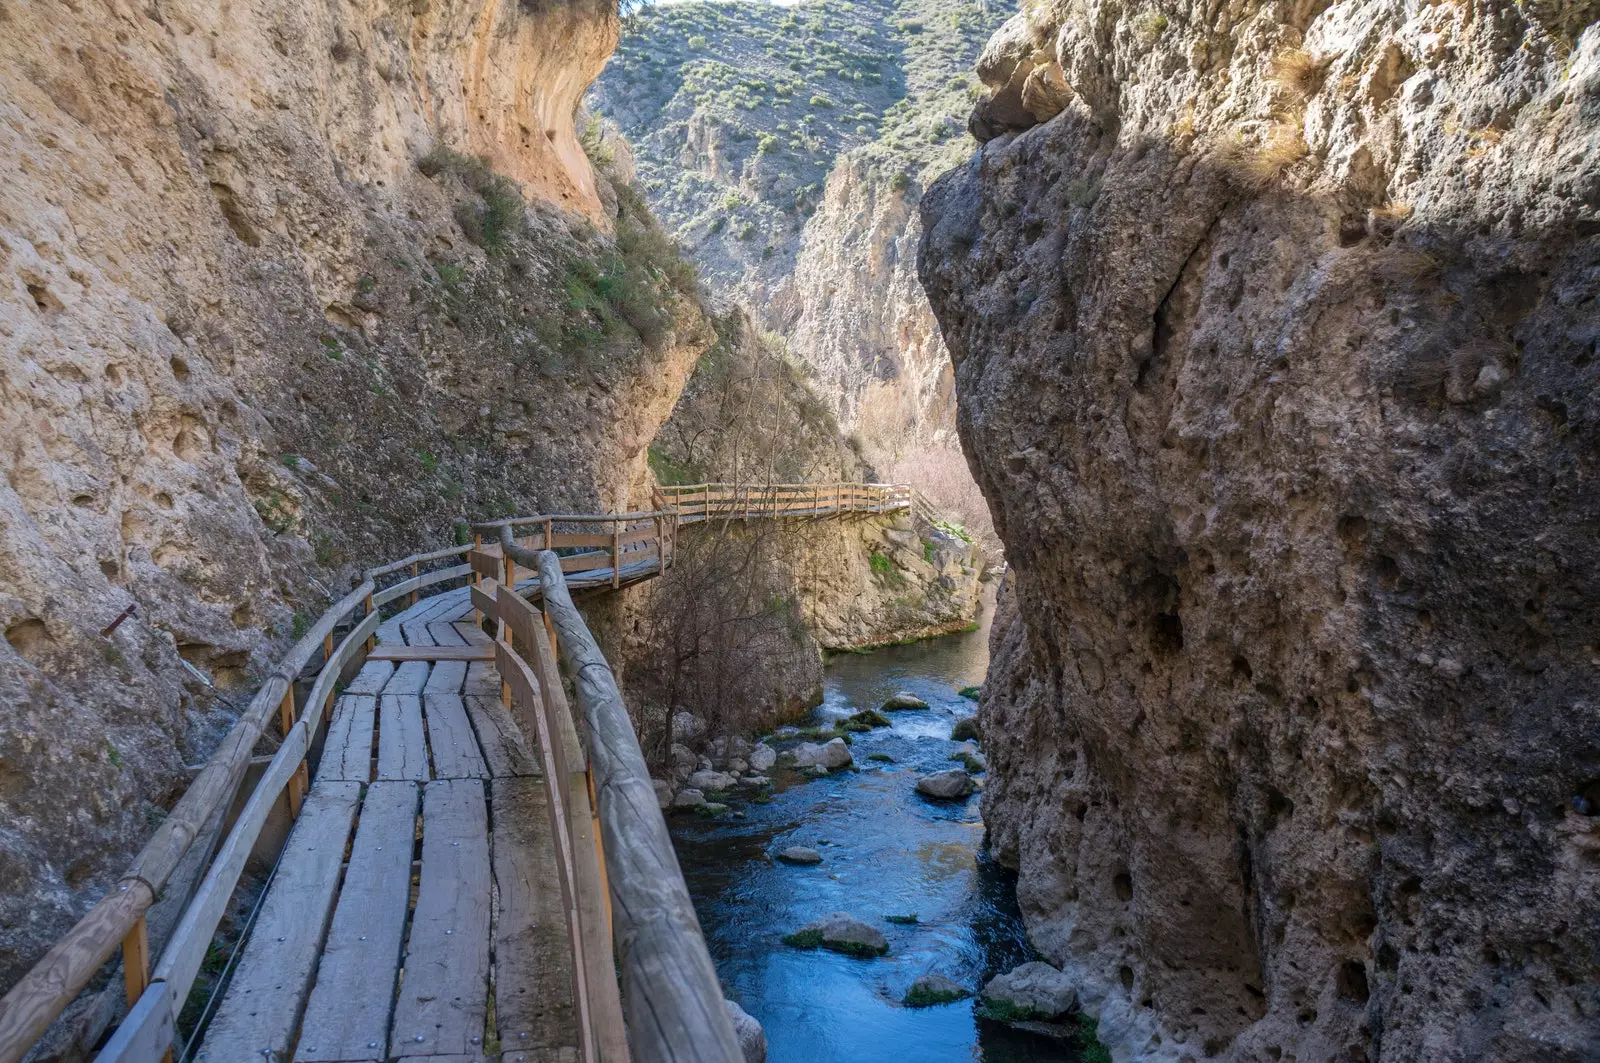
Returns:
(372,640)
(296,789)
(136,961)
(416,573)
(616,554)
(477,577)
(661,546)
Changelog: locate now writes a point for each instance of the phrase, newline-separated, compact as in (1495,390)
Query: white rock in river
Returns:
(689,799)
(762,757)
(711,780)
(1034,990)
(904,700)
(799,854)
(752,1038)
(829,756)
(946,785)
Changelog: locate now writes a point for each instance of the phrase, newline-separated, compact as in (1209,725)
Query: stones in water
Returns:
(762,757)
(840,932)
(799,854)
(711,781)
(829,756)
(752,1038)
(970,758)
(949,785)
(663,791)
(755,781)
(1033,991)
(903,701)
(965,730)
(881,758)
(865,720)
(689,799)
(934,988)
(711,809)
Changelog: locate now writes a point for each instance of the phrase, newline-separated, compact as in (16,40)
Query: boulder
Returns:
(1032,991)
(712,808)
(946,785)
(828,756)
(710,781)
(866,720)
(965,729)
(902,701)
(799,854)
(934,988)
(663,791)
(689,799)
(840,932)
(761,757)
(684,761)
(686,727)
(737,766)
(752,1038)
(756,781)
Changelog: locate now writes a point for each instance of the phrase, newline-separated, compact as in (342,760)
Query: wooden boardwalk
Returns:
(475,869)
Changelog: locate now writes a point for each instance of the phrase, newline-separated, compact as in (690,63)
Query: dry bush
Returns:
(1256,167)
(941,474)
(721,637)
(1298,73)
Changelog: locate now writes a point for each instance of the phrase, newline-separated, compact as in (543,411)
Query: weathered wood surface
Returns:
(443,999)
(146,1033)
(415,559)
(451,739)
(482,678)
(347,751)
(261,1011)
(671,997)
(445,634)
(347,1017)
(430,652)
(533,965)
(447,677)
(505,751)
(372,678)
(402,741)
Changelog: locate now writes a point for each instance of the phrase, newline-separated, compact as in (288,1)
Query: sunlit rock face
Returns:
(247,349)
(1274,334)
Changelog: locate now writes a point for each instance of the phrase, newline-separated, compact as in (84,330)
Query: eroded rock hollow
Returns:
(1275,331)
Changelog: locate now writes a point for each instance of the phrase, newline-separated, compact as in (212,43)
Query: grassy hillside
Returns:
(737,111)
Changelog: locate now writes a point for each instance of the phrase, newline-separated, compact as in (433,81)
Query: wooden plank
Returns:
(146,1033)
(505,750)
(600,965)
(585,562)
(417,633)
(402,742)
(347,752)
(347,1017)
(372,677)
(564,541)
(472,634)
(447,677)
(261,1011)
(482,678)
(409,678)
(443,1000)
(450,736)
(445,634)
(672,999)
(388,652)
(533,963)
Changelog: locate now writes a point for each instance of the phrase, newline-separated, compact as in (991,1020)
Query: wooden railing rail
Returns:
(671,998)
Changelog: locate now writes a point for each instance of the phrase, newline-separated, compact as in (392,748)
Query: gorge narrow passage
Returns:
(886,851)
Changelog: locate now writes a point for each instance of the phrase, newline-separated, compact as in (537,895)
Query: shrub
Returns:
(820,101)
(881,565)
(698,42)
(900,182)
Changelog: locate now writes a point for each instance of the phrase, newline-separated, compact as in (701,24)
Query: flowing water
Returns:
(886,851)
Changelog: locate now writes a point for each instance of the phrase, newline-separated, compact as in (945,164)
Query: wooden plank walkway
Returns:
(398,913)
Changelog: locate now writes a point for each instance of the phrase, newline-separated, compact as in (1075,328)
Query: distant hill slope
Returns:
(739,111)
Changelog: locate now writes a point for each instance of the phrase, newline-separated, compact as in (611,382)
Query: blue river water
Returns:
(886,851)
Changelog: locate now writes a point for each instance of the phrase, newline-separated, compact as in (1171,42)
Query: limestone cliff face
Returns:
(854,306)
(1275,341)
(248,348)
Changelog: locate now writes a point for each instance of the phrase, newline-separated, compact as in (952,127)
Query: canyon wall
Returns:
(1275,330)
(250,346)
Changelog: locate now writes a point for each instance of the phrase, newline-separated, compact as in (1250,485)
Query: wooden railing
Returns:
(650,901)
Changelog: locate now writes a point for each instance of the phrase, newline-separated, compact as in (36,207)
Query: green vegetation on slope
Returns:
(738,111)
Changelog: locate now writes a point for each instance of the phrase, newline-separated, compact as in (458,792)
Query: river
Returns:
(886,851)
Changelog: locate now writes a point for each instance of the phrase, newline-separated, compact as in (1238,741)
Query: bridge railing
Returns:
(342,637)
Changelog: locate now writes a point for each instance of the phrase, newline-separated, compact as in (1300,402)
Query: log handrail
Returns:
(671,999)
(28,1008)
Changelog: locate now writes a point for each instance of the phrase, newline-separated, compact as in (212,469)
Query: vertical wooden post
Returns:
(616,554)
(372,639)
(327,649)
(477,579)
(416,573)
(136,961)
(549,534)
(661,547)
(297,781)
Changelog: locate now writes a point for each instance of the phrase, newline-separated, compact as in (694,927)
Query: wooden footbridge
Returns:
(458,865)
